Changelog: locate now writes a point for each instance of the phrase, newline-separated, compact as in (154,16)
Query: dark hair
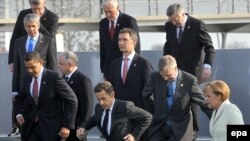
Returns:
(33,55)
(106,86)
(131,32)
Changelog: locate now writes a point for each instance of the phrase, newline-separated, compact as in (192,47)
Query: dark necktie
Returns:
(125,69)
(170,94)
(112,30)
(105,122)
(35,90)
(179,34)
(30,46)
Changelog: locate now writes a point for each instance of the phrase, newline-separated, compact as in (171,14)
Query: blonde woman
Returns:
(225,113)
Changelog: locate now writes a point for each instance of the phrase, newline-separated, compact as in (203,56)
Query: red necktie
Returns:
(112,30)
(125,69)
(35,90)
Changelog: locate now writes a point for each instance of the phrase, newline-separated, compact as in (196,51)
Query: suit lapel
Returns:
(72,78)
(28,88)
(216,115)
(23,45)
(174,36)
(113,117)
(187,29)
(179,85)
(39,43)
(132,67)
(118,23)
(43,86)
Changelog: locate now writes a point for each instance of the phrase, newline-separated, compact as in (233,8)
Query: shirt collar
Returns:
(130,56)
(35,38)
(39,77)
(112,106)
(69,75)
(115,21)
(184,22)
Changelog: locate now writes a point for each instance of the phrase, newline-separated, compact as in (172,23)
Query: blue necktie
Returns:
(170,94)
(30,46)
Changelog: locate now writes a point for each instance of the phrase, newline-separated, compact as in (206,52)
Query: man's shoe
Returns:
(14,132)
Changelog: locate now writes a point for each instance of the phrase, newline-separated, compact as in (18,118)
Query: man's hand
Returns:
(64,133)
(11,65)
(20,120)
(129,137)
(80,133)
(205,75)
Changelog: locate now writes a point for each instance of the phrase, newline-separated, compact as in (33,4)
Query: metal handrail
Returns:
(92,8)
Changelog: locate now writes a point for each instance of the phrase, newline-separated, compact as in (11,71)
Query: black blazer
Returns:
(137,77)
(126,118)
(82,87)
(109,51)
(45,45)
(195,39)
(180,116)
(48,27)
(57,105)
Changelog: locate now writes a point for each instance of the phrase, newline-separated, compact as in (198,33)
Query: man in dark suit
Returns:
(189,42)
(48,26)
(109,30)
(45,45)
(81,85)
(130,73)
(47,106)
(173,92)
(117,120)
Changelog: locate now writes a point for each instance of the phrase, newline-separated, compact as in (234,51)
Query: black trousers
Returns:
(35,133)
(164,133)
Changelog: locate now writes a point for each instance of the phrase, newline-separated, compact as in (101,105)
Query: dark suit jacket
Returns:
(109,51)
(189,53)
(82,87)
(126,118)
(180,116)
(57,105)
(48,27)
(137,77)
(45,45)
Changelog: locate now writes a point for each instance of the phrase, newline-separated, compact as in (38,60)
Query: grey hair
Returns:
(166,61)
(36,2)
(70,57)
(174,8)
(32,17)
(112,2)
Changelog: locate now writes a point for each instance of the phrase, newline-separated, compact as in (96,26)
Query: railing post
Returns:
(192,6)
(219,6)
(233,6)
(156,7)
(248,6)
(90,8)
(149,8)
(124,5)
(101,10)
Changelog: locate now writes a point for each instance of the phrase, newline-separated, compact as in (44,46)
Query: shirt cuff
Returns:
(18,115)
(207,66)
(14,93)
